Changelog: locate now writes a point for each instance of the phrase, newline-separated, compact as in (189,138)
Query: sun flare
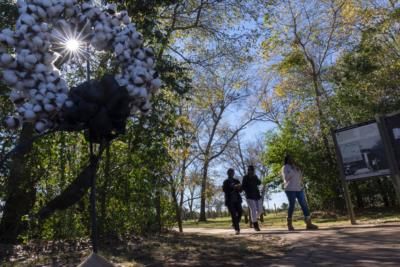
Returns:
(72,45)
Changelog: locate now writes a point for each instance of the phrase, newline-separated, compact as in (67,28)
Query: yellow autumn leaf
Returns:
(279,91)
(350,12)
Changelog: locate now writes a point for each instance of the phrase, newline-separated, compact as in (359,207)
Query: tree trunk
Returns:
(383,192)
(178,211)
(390,192)
(103,192)
(359,198)
(62,160)
(190,204)
(182,188)
(158,207)
(203,196)
(21,193)
(322,120)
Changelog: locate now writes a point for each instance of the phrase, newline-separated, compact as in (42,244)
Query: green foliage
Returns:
(132,195)
(55,162)
(323,80)
(358,82)
(321,186)
(8,13)
(130,180)
(282,143)
(367,80)
(292,61)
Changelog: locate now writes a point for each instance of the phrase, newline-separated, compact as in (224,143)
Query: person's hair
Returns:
(250,167)
(287,159)
(230,170)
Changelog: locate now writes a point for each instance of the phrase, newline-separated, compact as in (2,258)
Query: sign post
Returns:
(346,192)
(387,130)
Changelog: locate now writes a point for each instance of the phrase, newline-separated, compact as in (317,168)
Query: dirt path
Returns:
(362,245)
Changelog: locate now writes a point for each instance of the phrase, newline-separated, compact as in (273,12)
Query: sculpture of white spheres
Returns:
(27,57)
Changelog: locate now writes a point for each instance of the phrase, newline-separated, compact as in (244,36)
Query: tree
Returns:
(365,83)
(304,42)
(215,96)
(307,35)
(180,150)
(191,24)
(24,176)
(365,78)
(186,26)
(193,185)
(273,108)
(19,185)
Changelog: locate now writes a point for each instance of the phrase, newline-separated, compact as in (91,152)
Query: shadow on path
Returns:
(202,250)
(359,245)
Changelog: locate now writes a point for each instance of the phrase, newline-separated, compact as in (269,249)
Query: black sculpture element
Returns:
(100,107)
(73,193)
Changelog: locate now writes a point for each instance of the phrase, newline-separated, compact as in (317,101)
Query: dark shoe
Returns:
(289,224)
(309,224)
(237,232)
(256,227)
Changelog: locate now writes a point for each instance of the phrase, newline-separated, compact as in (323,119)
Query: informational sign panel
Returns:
(362,151)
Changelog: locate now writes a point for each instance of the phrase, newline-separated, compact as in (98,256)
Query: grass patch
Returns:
(323,219)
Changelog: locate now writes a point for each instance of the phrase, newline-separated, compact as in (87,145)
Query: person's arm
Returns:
(258,180)
(300,176)
(225,187)
(238,187)
(287,173)
(244,183)
(230,186)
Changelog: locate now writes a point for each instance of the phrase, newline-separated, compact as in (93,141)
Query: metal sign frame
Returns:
(369,160)
(387,141)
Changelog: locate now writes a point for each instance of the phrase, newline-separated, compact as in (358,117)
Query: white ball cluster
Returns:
(27,57)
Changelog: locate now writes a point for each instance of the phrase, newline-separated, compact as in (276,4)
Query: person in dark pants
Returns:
(293,184)
(250,185)
(233,200)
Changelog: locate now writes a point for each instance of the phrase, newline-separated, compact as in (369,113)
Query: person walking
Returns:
(250,185)
(233,199)
(293,184)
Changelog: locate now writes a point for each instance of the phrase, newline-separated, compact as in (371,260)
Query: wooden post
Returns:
(347,198)
(390,154)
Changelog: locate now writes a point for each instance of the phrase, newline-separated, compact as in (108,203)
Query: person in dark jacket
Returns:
(250,185)
(233,200)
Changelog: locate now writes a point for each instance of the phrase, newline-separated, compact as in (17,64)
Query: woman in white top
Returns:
(293,185)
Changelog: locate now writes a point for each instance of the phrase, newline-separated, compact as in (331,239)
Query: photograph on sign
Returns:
(362,151)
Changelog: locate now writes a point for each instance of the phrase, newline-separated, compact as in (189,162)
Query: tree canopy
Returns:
(301,67)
